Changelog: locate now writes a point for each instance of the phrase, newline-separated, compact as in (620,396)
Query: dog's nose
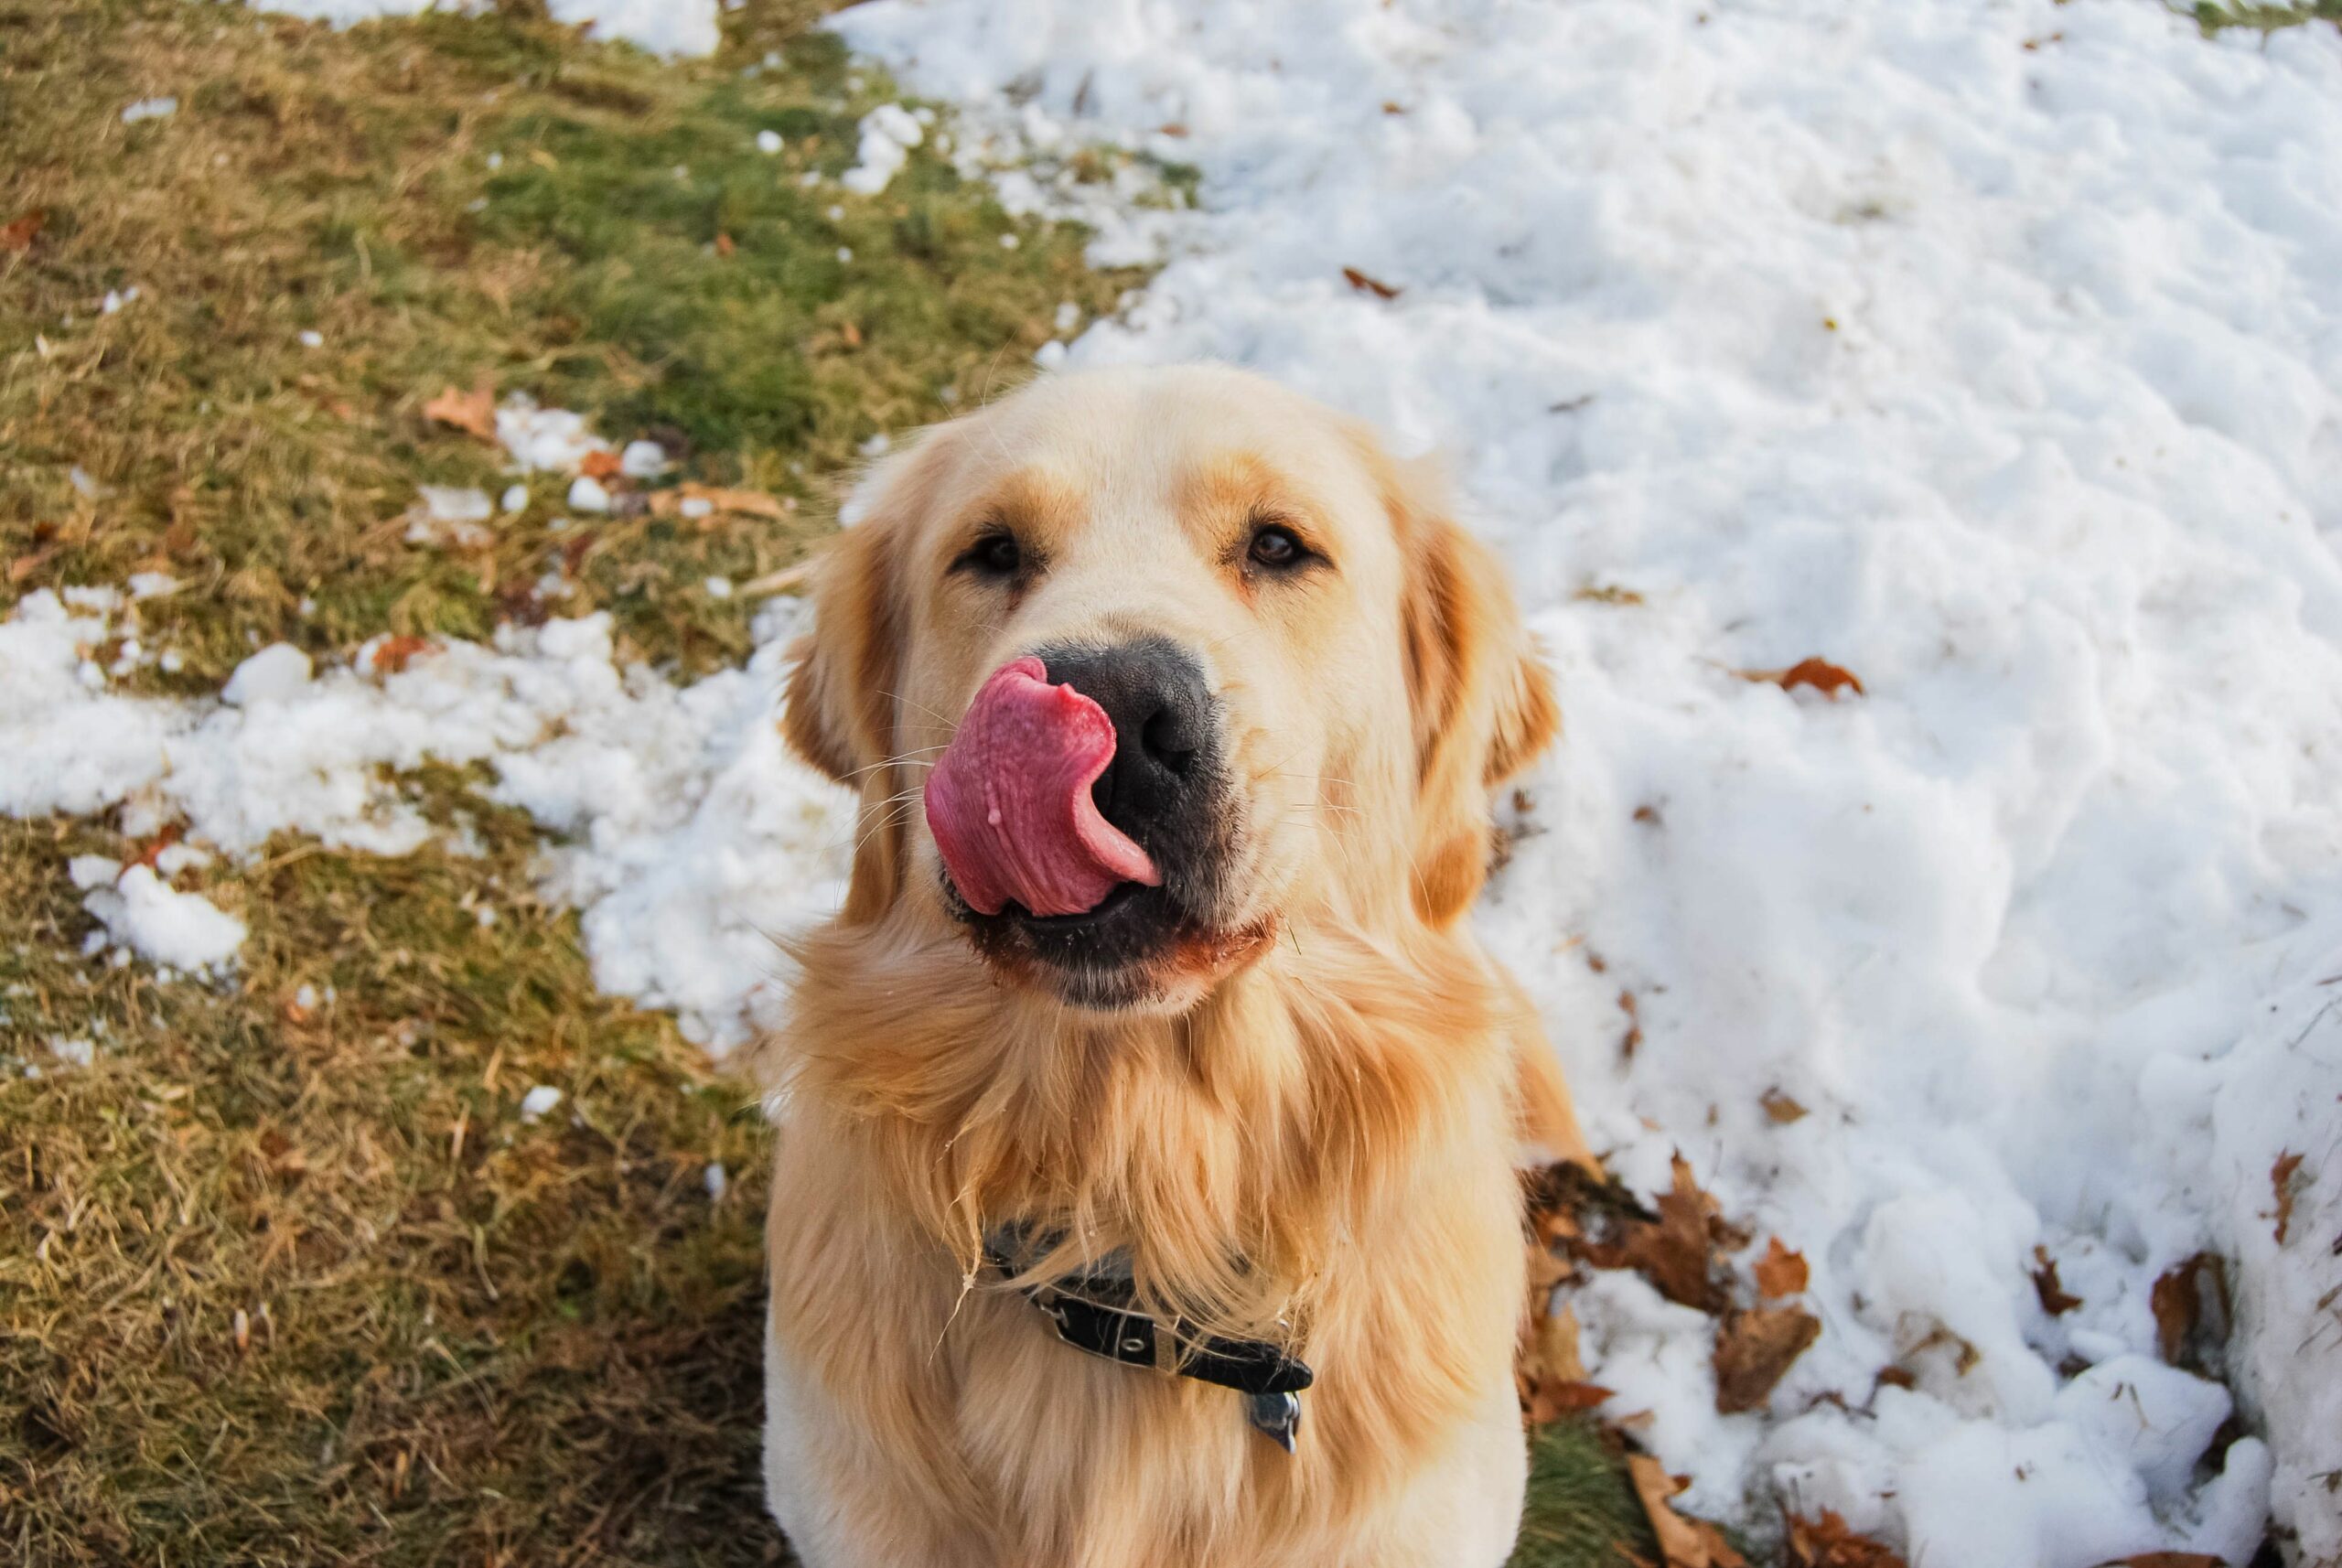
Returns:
(1155,694)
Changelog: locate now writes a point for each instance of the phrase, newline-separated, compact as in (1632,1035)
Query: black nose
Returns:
(1161,710)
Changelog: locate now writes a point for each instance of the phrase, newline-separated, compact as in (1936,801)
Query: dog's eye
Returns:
(994,555)
(1277,547)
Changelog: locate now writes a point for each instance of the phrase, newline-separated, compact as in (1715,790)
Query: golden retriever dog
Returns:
(1151,1027)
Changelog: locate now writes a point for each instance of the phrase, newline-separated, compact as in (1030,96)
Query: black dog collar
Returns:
(1095,1311)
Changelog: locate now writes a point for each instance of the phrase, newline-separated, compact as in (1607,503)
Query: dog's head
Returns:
(1135,671)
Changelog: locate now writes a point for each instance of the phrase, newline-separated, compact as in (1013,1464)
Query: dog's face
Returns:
(1311,682)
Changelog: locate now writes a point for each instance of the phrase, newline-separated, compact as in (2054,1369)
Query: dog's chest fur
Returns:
(960,1409)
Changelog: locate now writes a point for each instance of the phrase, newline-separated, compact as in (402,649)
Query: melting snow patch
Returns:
(275,674)
(150,109)
(553,440)
(692,838)
(888,132)
(586,494)
(144,914)
(538,1102)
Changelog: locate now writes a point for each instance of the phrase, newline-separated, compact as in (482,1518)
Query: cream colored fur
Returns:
(1308,1128)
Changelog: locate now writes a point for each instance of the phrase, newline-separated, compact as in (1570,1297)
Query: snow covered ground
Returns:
(1992,350)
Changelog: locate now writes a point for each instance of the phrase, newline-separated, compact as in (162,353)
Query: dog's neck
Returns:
(1227,1150)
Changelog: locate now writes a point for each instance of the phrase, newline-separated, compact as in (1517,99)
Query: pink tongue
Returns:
(1009,799)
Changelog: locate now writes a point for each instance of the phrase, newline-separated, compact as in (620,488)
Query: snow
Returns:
(661,27)
(538,1102)
(888,132)
(150,109)
(686,836)
(144,914)
(553,440)
(276,675)
(1995,352)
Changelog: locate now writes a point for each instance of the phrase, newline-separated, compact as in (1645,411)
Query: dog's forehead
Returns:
(1137,448)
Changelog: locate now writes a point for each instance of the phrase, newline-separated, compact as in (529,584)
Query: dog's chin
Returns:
(1138,951)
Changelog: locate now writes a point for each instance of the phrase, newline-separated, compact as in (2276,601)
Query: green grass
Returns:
(635,257)
(465,1337)
(1581,1511)
(2212,16)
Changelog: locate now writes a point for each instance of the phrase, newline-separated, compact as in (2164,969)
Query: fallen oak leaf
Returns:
(1755,1349)
(473,412)
(2054,1300)
(1819,673)
(1550,1400)
(2281,1181)
(1374,285)
(18,232)
(392,654)
(2181,1304)
(1549,1347)
(601,465)
(1780,1109)
(1682,1542)
(162,840)
(1829,1543)
(1780,1271)
(1675,1251)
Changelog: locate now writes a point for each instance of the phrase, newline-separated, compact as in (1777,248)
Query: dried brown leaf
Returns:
(1676,1251)
(749,503)
(1780,1271)
(1550,1399)
(1374,285)
(392,654)
(1829,1543)
(2281,1181)
(600,465)
(1549,1349)
(18,232)
(473,412)
(1682,1542)
(2182,1306)
(2054,1300)
(1819,673)
(1754,1349)
(1780,1108)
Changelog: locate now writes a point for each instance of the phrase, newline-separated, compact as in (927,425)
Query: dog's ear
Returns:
(1483,701)
(841,709)
(838,717)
